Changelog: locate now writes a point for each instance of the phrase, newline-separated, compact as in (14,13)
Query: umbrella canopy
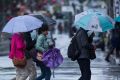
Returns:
(45,19)
(22,24)
(117,19)
(94,20)
(52,58)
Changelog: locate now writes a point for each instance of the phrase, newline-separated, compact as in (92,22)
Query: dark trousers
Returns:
(111,50)
(45,72)
(84,65)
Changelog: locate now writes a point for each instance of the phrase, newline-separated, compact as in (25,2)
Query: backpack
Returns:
(73,52)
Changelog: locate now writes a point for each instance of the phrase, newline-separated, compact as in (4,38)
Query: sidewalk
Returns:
(69,70)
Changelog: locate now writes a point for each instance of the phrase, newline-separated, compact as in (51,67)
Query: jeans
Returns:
(45,72)
(84,65)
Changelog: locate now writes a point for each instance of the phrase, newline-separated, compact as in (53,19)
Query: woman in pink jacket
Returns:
(18,47)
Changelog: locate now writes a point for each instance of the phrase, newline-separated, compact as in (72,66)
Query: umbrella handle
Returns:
(53,73)
(53,65)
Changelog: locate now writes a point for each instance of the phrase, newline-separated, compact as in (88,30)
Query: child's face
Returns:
(46,32)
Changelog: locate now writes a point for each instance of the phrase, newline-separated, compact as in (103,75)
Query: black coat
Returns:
(83,44)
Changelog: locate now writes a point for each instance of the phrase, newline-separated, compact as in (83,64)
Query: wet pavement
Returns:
(101,70)
(69,70)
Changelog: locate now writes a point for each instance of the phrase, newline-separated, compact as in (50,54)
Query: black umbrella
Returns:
(45,19)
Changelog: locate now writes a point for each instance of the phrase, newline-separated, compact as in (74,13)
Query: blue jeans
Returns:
(45,72)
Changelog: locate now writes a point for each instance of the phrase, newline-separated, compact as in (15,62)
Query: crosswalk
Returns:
(101,70)
(69,70)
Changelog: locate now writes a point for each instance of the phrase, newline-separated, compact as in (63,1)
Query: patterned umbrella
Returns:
(117,19)
(94,20)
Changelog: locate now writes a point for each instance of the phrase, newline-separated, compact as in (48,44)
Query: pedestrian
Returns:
(110,46)
(42,46)
(114,42)
(84,40)
(30,68)
(60,28)
(23,40)
(17,52)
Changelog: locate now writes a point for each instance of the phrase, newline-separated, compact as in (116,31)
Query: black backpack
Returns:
(73,52)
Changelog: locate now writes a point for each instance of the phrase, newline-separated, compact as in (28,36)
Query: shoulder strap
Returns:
(77,40)
(77,32)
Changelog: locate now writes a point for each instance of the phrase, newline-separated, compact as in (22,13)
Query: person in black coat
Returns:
(84,44)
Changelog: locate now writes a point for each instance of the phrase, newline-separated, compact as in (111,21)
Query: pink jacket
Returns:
(17,46)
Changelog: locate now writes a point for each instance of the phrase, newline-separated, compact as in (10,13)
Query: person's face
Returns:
(45,32)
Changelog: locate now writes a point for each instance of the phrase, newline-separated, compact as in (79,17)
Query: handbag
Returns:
(21,63)
(92,53)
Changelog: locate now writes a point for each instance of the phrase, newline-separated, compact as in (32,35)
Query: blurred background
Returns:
(63,11)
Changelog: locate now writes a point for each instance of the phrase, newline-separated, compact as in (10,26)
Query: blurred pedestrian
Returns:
(60,28)
(114,42)
(84,40)
(42,46)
